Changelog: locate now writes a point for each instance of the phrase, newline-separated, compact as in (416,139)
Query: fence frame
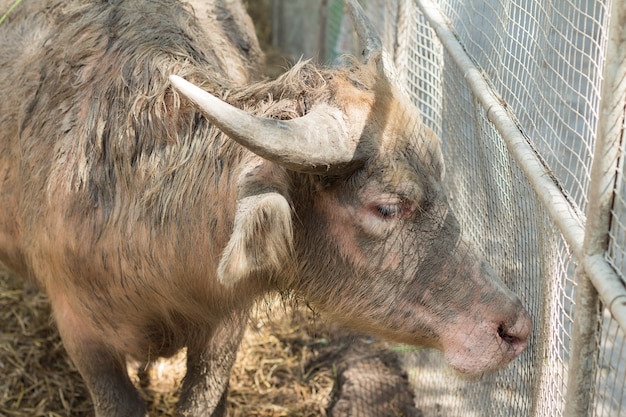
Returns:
(604,168)
(595,277)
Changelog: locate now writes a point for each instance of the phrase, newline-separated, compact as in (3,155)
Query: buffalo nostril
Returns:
(516,335)
(508,338)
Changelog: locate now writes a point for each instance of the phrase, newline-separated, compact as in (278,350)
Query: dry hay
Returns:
(287,366)
(38,379)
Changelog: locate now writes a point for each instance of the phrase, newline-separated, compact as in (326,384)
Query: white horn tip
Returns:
(183,85)
(205,100)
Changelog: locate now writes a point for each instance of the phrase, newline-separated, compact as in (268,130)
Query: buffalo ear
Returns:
(261,241)
(262,237)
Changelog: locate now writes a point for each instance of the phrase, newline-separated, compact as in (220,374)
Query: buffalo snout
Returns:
(493,331)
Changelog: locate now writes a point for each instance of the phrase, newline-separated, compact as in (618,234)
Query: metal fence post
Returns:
(609,140)
(583,357)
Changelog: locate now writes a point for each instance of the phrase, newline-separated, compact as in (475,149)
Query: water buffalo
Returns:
(153,211)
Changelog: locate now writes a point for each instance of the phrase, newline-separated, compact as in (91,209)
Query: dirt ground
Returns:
(292,365)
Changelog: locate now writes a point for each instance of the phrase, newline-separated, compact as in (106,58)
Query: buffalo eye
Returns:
(388,211)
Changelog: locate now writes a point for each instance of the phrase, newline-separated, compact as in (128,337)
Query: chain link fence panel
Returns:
(529,100)
(524,188)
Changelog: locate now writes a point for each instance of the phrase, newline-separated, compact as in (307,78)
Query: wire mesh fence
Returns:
(519,141)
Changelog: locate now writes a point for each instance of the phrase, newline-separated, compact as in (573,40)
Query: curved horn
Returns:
(316,143)
(371,45)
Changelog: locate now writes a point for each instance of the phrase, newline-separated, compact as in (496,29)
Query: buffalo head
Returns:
(345,205)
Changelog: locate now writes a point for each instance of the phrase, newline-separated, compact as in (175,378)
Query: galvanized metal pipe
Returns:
(610,142)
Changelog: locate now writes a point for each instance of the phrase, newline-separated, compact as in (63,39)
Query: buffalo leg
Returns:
(103,369)
(205,386)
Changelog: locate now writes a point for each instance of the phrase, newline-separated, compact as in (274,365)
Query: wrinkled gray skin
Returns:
(151,230)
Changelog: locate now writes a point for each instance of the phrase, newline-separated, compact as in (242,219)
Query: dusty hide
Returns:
(292,365)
